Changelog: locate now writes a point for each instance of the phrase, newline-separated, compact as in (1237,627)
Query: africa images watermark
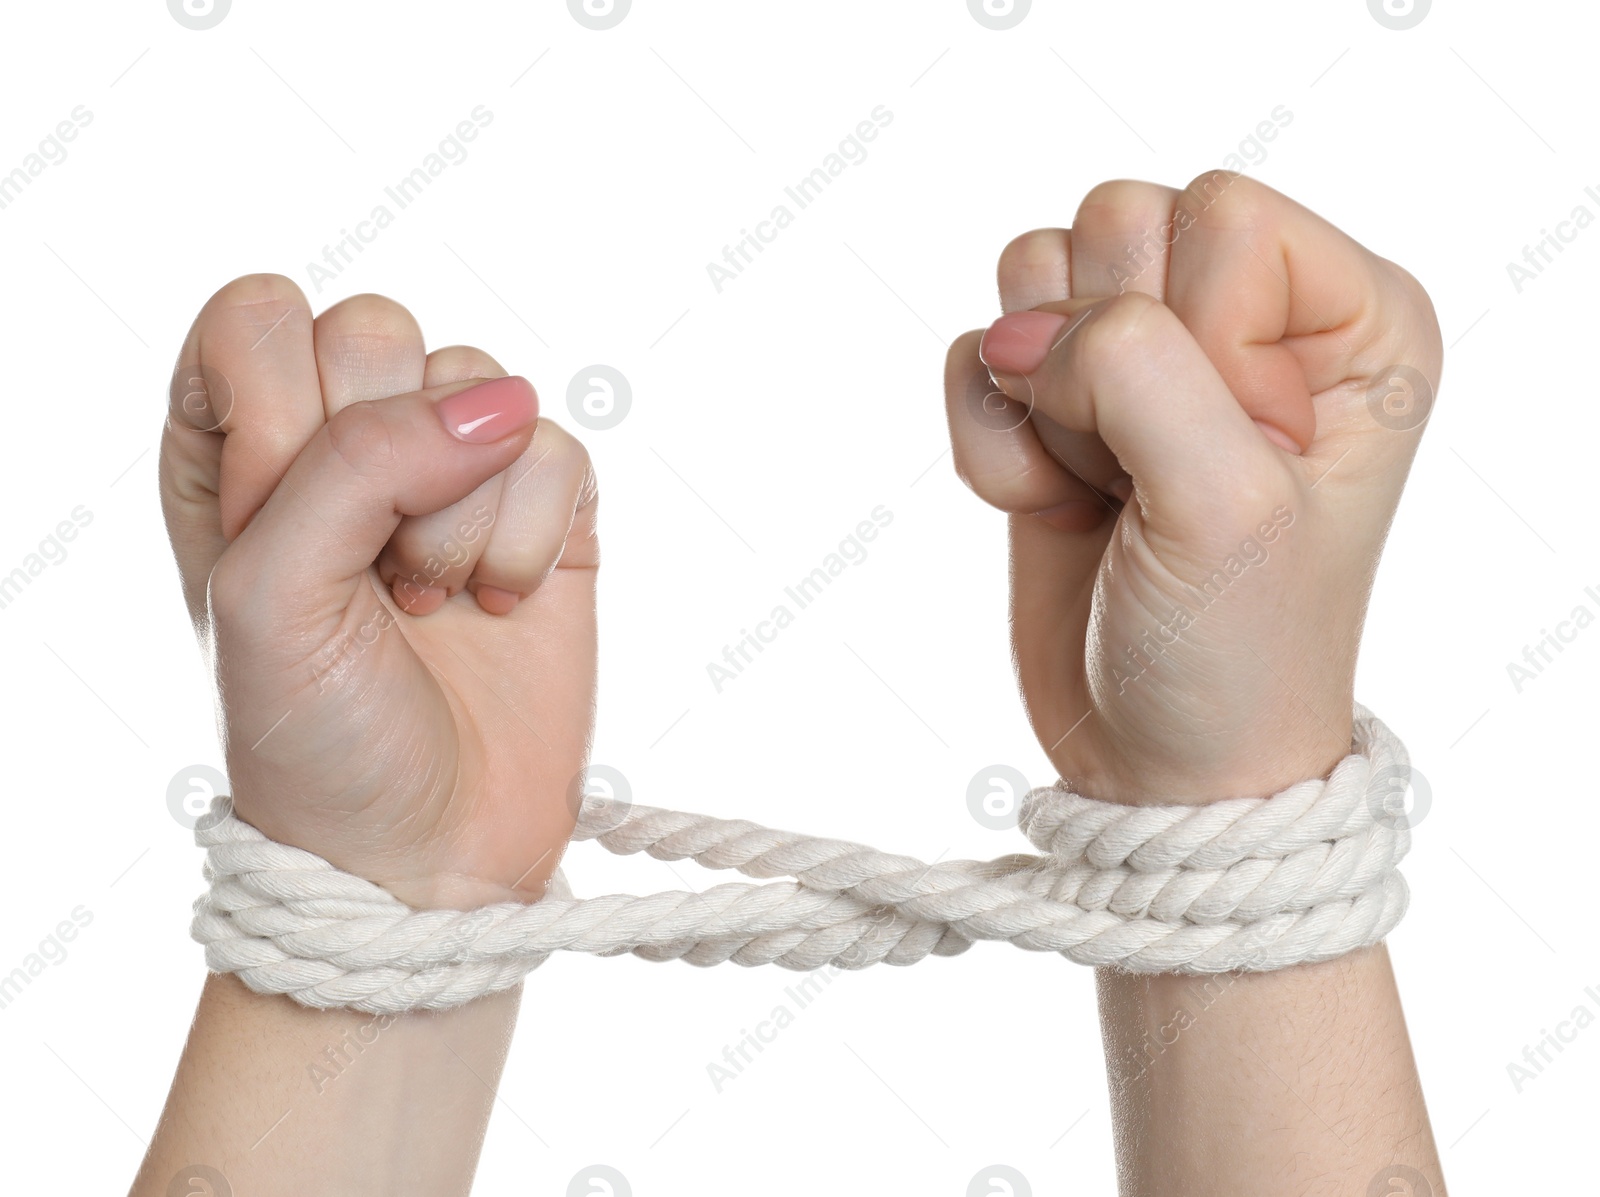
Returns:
(1539,1055)
(739,1055)
(337,1058)
(1251,151)
(1539,256)
(851,151)
(52,550)
(336,656)
(51,151)
(52,949)
(852,550)
(451,151)
(1541,654)
(1252,554)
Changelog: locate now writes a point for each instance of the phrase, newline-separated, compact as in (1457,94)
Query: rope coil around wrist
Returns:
(1250,884)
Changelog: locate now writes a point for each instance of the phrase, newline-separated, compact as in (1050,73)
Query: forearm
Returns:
(283,1099)
(1297,1081)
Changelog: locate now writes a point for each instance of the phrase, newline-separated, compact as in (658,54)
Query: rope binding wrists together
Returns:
(1250,884)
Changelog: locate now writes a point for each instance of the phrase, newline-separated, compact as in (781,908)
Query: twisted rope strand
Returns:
(1250,883)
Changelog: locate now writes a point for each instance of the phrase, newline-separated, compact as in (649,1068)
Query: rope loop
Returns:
(1250,884)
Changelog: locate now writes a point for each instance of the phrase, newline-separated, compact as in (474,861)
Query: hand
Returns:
(394,575)
(1204,405)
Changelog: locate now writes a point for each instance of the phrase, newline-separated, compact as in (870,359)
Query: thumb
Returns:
(1126,370)
(344,495)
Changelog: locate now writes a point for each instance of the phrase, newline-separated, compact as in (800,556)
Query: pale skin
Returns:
(1223,365)
(1218,380)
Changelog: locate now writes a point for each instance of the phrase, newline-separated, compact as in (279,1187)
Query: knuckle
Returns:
(455,363)
(370,314)
(1111,196)
(1035,263)
(1224,197)
(360,436)
(1107,335)
(258,290)
(1414,318)
(961,359)
(229,589)
(570,457)
(1413,295)
(1017,491)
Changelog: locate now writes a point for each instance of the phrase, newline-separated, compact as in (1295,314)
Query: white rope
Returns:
(1244,884)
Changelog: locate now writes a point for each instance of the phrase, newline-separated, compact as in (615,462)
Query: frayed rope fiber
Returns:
(1250,884)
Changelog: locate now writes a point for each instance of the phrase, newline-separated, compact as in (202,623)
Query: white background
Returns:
(767,421)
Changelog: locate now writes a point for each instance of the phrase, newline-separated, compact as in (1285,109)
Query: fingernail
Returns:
(490,410)
(1019,342)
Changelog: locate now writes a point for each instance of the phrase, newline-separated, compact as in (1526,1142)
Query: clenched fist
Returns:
(391,559)
(1199,409)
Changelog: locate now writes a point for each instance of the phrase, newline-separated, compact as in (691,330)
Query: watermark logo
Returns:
(599,14)
(994,797)
(992,408)
(752,642)
(599,1180)
(999,1180)
(448,153)
(1399,796)
(190,792)
(1542,653)
(52,950)
(199,1180)
(599,397)
(1400,398)
(1542,1053)
(851,151)
(200,397)
(52,550)
(999,14)
(199,14)
(1399,14)
(752,1042)
(1541,255)
(602,796)
(1399,1180)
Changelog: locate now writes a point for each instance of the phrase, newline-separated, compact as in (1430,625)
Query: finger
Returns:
(998,452)
(1084,455)
(1035,268)
(545,518)
(245,400)
(430,557)
(1128,370)
(368,347)
(1283,303)
(1035,271)
(343,497)
(1120,239)
(501,542)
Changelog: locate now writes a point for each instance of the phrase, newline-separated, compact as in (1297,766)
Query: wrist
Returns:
(1273,754)
(446,869)
(449,891)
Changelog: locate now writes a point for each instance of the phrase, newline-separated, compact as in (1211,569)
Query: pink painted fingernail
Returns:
(1019,342)
(490,410)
